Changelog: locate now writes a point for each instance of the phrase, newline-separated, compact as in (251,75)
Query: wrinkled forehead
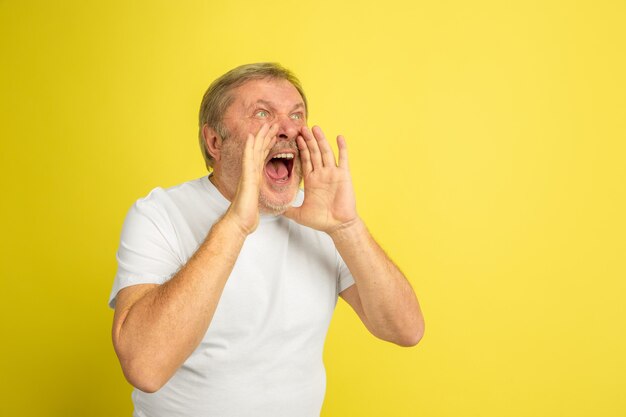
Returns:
(278,93)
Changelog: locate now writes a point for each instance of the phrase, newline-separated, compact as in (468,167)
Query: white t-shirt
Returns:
(262,353)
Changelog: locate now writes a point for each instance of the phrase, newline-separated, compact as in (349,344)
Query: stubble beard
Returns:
(234,163)
(268,206)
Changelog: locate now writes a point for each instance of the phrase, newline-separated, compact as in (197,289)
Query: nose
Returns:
(287,127)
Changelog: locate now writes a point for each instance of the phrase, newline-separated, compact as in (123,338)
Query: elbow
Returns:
(411,336)
(149,387)
(405,337)
(140,370)
(405,334)
(143,376)
(410,339)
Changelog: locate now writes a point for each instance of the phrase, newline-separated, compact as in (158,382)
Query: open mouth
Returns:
(280,166)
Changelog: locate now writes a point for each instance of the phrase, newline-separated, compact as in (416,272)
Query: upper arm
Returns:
(146,256)
(148,252)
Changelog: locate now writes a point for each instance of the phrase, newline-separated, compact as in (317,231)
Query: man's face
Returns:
(257,102)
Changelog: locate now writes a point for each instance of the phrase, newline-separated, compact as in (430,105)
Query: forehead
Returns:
(278,92)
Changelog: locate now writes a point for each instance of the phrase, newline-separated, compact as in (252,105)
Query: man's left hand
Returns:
(329,202)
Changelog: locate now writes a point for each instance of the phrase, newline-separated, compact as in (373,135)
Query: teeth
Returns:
(284,155)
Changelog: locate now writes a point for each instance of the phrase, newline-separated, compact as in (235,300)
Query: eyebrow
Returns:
(271,105)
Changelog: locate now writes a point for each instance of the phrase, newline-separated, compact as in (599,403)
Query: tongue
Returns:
(276,169)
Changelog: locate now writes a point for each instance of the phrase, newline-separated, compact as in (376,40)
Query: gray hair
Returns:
(218,97)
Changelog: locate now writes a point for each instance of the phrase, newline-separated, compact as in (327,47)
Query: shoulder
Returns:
(162,208)
(187,190)
(165,200)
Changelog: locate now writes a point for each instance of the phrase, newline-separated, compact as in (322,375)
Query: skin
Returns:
(157,327)
(276,103)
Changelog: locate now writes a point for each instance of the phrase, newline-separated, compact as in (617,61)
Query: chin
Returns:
(277,201)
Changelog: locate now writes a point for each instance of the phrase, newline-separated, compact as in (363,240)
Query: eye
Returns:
(263,114)
(296,116)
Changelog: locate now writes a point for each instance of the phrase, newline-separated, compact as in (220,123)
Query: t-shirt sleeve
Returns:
(146,254)
(345,279)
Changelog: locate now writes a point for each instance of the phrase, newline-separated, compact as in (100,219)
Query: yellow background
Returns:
(487,149)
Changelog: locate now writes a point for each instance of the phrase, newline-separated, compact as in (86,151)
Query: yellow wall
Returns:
(487,148)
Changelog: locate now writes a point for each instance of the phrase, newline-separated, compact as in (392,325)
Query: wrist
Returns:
(350,230)
(232,223)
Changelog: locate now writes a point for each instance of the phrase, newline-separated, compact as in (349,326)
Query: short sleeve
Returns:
(345,279)
(147,252)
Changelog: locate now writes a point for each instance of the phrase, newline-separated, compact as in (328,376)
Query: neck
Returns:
(214,178)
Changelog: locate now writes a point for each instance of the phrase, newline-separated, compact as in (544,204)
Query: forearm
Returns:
(388,301)
(155,334)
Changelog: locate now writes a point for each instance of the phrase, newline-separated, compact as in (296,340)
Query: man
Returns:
(226,284)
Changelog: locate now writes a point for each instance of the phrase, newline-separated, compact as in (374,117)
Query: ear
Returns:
(212,141)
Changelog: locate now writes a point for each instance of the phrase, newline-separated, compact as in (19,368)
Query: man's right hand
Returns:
(244,210)
(157,327)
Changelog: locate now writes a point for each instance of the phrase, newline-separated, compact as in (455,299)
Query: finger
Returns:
(260,150)
(260,136)
(305,156)
(313,148)
(269,143)
(343,152)
(328,157)
(263,130)
(248,152)
(270,139)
